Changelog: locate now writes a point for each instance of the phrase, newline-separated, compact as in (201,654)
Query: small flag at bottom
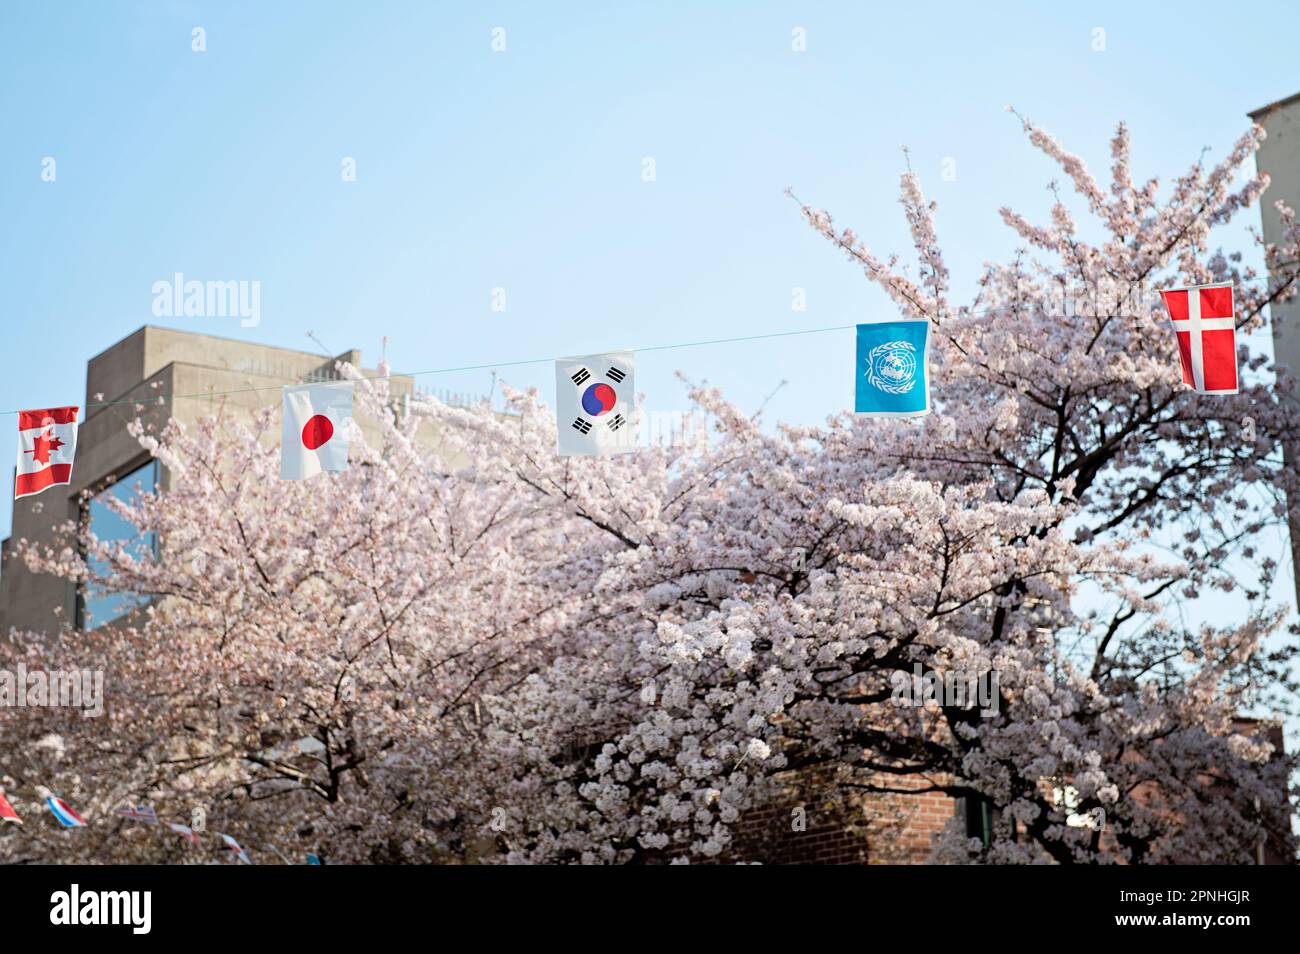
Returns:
(234,846)
(66,816)
(185,831)
(142,813)
(312,859)
(892,376)
(7,812)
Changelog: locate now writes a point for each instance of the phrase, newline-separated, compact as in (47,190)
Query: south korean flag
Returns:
(594,404)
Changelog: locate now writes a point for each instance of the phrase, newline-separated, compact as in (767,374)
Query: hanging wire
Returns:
(515,364)
(468,367)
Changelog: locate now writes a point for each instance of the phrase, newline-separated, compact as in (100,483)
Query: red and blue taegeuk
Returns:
(599,399)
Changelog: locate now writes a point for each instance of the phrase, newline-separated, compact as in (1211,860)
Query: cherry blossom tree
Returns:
(465,648)
(312,665)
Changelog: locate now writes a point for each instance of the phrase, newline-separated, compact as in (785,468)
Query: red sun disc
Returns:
(317,431)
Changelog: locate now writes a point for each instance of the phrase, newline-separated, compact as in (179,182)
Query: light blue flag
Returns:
(892,379)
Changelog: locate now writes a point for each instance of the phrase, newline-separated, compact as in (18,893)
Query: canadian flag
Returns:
(315,430)
(47,441)
(1207,337)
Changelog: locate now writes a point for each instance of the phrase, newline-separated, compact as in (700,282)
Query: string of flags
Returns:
(145,814)
(595,404)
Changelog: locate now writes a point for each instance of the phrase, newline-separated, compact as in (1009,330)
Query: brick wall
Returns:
(903,828)
(771,835)
(891,828)
(810,823)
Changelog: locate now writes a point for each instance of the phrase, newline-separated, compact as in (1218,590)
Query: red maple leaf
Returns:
(44,444)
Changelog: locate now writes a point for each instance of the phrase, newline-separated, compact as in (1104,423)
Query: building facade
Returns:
(1279,156)
(164,374)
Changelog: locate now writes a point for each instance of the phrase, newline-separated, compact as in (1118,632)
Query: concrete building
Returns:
(192,374)
(1279,156)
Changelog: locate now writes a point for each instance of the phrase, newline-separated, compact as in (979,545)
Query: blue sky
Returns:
(522,169)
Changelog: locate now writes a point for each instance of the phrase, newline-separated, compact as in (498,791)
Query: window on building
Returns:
(979,819)
(982,819)
(97,605)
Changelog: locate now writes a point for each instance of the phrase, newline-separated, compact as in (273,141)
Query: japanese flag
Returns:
(1204,323)
(314,437)
(47,440)
(594,407)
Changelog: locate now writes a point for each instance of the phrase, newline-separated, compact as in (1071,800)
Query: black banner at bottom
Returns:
(331,904)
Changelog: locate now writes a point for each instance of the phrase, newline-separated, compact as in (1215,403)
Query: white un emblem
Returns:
(891,367)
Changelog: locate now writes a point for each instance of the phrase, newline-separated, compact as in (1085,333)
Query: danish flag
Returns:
(1207,338)
(47,441)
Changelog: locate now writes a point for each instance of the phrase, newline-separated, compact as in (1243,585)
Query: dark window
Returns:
(982,819)
(979,820)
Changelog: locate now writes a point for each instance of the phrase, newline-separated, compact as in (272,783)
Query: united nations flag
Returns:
(891,370)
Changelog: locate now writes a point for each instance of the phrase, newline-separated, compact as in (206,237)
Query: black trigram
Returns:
(581,426)
(581,375)
(615,375)
(615,422)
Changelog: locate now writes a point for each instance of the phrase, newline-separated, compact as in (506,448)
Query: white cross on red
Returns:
(1195,324)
